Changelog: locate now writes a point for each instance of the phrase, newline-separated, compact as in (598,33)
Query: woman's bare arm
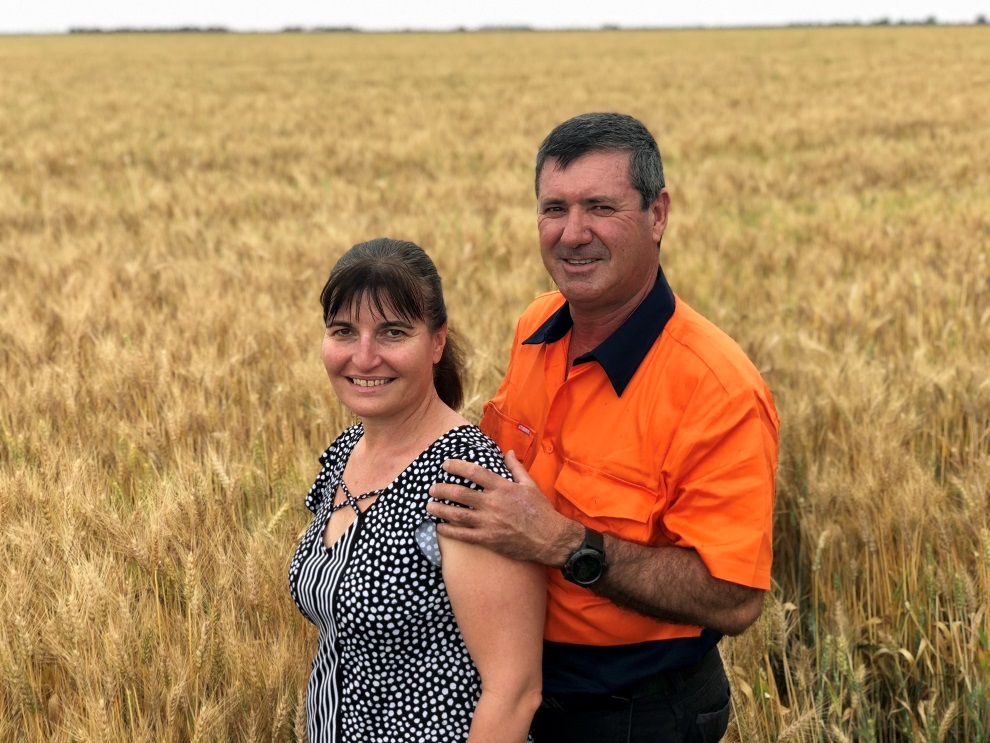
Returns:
(500,606)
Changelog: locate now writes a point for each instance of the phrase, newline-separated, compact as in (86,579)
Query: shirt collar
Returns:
(622,352)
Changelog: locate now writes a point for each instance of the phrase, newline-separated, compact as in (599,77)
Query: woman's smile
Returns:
(379,363)
(370,382)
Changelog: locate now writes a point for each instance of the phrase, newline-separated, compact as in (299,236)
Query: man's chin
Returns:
(579,292)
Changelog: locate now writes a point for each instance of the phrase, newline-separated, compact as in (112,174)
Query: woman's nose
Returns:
(367,354)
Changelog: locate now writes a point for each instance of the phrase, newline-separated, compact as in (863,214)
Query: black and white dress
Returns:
(391,663)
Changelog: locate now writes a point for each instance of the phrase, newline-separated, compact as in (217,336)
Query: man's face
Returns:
(597,243)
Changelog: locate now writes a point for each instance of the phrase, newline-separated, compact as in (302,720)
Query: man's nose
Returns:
(576,229)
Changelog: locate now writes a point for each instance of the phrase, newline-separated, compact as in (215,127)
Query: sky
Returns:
(58,16)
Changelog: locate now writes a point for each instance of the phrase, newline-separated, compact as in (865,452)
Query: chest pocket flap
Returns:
(601,500)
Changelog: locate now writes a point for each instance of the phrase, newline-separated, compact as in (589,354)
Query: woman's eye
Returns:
(394,333)
(338,332)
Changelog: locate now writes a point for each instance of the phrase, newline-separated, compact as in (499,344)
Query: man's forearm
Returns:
(673,584)
(516,520)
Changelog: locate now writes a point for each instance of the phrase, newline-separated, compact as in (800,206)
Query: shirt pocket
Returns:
(509,434)
(609,503)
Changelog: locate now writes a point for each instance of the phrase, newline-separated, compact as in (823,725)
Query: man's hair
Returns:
(606,132)
(399,275)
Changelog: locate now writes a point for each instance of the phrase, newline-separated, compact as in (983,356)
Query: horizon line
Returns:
(930,20)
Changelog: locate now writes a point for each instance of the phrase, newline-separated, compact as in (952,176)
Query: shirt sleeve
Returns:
(478,449)
(317,492)
(318,489)
(722,490)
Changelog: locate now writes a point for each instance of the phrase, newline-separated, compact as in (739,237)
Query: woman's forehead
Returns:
(376,303)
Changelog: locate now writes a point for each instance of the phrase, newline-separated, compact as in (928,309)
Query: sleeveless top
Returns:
(391,664)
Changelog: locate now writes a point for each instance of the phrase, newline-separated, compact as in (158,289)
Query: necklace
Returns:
(352,501)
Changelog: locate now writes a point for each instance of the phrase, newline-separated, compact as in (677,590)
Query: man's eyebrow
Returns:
(594,199)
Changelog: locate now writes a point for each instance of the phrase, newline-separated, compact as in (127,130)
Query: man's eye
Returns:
(602,209)
(553,210)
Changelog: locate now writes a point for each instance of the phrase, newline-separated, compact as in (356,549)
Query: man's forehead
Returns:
(601,157)
(609,167)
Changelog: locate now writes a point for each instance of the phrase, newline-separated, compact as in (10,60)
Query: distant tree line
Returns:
(980,20)
(136,30)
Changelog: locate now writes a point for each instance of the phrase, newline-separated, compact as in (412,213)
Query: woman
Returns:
(419,640)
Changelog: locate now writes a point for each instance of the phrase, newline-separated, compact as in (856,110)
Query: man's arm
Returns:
(674,585)
(516,519)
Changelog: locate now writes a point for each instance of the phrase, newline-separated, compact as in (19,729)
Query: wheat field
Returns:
(170,206)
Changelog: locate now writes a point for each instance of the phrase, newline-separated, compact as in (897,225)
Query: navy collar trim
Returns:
(622,352)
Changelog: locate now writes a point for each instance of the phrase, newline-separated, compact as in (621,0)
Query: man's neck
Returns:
(592,327)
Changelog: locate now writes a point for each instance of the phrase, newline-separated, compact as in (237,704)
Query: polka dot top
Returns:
(391,664)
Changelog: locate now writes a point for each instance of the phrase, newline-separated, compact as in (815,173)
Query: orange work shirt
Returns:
(665,434)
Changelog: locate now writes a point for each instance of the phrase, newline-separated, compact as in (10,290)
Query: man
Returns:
(644,453)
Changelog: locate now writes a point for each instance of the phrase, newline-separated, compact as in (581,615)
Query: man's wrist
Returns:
(571,537)
(587,565)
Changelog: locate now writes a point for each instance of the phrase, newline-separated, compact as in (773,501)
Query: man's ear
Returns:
(660,209)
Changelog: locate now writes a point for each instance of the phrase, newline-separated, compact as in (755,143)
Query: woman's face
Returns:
(381,366)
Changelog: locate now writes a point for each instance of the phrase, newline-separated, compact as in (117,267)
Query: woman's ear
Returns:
(439,341)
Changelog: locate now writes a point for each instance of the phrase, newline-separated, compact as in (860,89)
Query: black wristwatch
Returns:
(587,565)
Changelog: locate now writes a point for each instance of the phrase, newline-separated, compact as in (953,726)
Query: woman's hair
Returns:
(398,275)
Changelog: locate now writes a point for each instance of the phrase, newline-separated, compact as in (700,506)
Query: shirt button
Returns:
(548,448)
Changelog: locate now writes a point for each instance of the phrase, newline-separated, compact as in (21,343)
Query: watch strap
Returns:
(594,539)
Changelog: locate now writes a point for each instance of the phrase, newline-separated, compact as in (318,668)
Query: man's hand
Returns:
(512,518)
(668,583)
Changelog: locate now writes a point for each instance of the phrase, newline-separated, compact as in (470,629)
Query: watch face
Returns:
(586,568)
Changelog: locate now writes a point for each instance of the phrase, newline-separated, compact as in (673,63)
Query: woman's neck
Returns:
(411,433)
(388,446)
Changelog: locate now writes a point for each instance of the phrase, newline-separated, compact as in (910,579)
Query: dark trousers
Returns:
(684,706)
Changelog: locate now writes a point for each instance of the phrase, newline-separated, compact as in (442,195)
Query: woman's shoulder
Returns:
(331,461)
(342,444)
(468,442)
(469,436)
